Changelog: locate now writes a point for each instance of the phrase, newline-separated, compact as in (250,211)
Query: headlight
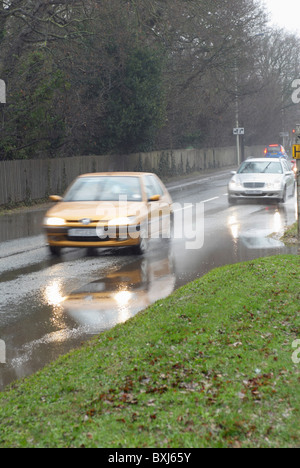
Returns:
(123,221)
(276,185)
(54,222)
(234,185)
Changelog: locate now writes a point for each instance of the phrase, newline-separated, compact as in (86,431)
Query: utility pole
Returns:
(2,99)
(2,92)
(296,155)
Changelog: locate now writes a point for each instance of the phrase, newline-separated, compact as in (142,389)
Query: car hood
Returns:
(242,178)
(98,211)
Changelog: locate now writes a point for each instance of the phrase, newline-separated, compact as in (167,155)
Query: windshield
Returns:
(264,167)
(105,188)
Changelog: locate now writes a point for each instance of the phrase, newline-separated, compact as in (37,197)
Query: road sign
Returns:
(239,131)
(296,151)
(297,135)
(2,92)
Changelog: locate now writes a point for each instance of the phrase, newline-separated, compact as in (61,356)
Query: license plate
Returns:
(253,192)
(84,232)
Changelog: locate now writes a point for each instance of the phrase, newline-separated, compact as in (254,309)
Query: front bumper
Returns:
(255,194)
(114,237)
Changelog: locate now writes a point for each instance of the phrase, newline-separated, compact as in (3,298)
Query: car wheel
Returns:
(55,251)
(284,196)
(294,189)
(232,201)
(143,246)
(170,230)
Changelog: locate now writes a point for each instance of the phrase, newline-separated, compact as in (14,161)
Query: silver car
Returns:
(262,178)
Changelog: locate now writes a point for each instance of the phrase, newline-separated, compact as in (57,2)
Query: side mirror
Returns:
(154,198)
(233,172)
(55,198)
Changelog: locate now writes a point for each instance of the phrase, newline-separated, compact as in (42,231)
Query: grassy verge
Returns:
(210,366)
(291,235)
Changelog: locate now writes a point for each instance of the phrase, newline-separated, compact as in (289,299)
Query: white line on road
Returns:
(184,208)
(191,206)
(211,199)
(197,182)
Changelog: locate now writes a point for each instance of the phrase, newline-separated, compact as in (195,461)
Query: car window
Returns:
(151,187)
(259,167)
(105,188)
(273,150)
(286,166)
(157,185)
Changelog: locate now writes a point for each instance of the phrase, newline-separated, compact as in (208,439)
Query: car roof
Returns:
(116,174)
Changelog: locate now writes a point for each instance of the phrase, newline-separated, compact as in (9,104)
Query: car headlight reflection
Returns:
(54,222)
(123,298)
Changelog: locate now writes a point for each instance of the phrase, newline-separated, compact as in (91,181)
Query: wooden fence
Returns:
(23,181)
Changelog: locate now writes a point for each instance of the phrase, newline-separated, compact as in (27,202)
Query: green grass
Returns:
(291,235)
(210,366)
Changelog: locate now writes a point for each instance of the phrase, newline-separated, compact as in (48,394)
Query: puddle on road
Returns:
(55,322)
(58,322)
(21,224)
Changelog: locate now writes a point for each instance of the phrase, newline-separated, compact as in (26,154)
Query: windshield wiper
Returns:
(266,168)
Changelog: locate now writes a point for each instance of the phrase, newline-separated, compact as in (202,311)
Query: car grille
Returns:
(254,185)
(88,239)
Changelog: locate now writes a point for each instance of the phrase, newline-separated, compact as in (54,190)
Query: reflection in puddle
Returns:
(234,226)
(53,294)
(257,238)
(22,224)
(121,295)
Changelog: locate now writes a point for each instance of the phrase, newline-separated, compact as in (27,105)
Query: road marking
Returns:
(191,206)
(210,199)
(198,181)
(184,208)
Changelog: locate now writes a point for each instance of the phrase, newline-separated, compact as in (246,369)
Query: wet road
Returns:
(50,306)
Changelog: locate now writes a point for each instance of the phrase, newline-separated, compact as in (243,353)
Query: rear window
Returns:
(273,149)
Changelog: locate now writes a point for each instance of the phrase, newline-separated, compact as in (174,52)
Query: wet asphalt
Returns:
(50,306)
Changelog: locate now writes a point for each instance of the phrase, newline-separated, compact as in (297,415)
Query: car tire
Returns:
(167,240)
(232,201)
(143,247)
(284,196)
(293,191)
(55,251)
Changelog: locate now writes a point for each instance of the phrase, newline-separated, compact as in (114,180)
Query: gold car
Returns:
(110,210)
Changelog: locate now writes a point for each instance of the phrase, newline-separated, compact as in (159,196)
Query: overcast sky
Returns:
(285,14)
